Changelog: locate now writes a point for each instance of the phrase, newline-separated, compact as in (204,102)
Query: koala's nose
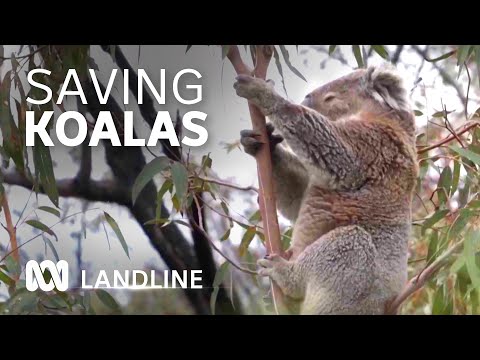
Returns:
(308,100)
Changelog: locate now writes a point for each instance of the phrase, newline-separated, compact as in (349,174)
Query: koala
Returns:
(344,169)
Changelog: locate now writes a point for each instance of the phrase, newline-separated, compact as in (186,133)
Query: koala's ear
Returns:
(386,86)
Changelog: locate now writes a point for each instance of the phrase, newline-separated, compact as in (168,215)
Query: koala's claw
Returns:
(250,87)
(251,143)
(268,262)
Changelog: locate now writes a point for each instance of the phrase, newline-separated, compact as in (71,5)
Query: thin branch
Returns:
(396,54)
(448,139)
(235,58)
(267,201)
(443,73)
(468,89)
(227,184)
(449,126)
(199,227)
(97,190)
(24,56)
(43,232)
(418,281)
(12,231)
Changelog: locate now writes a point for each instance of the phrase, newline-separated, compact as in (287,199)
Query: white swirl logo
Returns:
(34,275)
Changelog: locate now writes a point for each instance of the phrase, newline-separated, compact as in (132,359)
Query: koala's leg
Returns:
(290,176)
(312,136)
(340,272)
(284,273)
(334,275)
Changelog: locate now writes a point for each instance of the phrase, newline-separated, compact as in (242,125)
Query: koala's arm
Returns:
(291,180)
(311,135)
(289,174)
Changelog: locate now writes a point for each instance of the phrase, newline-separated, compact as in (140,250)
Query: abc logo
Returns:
(34,275)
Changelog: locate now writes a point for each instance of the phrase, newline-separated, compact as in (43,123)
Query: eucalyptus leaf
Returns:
(153,168)
(116,229)
(42,227)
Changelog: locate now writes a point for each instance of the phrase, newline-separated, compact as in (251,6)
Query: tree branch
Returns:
(443,73)
(97,190)
(227,184)
(467,127)
(418,281)
(12,231)
(263,157)
(149,114)
(126,164)
(396,54)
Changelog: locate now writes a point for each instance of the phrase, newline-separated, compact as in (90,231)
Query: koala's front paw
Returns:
(251,143)
(258,91)
(249,87)
(271,264)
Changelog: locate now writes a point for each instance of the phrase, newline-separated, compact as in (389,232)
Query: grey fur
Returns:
(348,184)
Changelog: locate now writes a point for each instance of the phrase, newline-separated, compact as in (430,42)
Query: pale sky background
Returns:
(227,115)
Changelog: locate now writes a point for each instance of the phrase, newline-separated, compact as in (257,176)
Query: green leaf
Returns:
(460,222)
(331,49)
(153,168)
(441,114)
(445,183)
(225,49)
(113,224)
(418,113)
(472,240)
(180,180)
(225,208)
(7,280)
(107,299)
(442,303)
(50,210)
(13,143)
(50,245)
(462,54)
(380,50)
(287,238)
(477,60)
(457,264)
(26,302)
(42,227)
(167,186)
(246,240)
(441,57)
(217,282)
(206,162)
(432,220)
(470,155)
(44,169)
(432,247)
(286,58)
(455,177)
(256,217)
(276,56)
(357,52)
(13,266)
(158,221)
(226,235)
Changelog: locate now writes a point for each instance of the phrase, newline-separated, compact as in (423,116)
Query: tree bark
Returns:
(267,201)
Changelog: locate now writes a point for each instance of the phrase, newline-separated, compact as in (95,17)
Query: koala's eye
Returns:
(329,97)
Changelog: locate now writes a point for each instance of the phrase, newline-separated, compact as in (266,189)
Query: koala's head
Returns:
(376,89)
